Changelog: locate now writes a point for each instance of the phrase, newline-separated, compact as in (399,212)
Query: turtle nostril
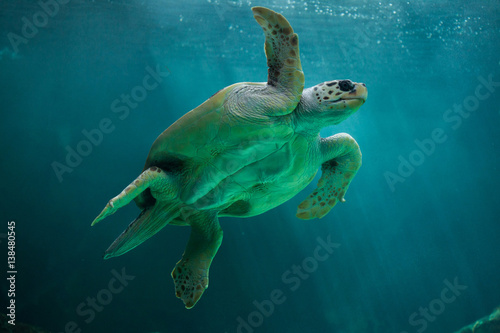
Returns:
(346,85)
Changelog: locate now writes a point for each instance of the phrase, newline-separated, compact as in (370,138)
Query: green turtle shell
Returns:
(225,134)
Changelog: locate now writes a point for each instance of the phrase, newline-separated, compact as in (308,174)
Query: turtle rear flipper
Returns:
(149,222)
(191,272)
(163,187)
(159,182)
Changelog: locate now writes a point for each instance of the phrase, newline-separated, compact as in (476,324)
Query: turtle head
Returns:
(330,103)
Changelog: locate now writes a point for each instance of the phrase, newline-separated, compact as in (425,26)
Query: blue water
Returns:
(421,215)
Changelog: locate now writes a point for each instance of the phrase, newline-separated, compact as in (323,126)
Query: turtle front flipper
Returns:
(285,77)
(342,159)
(191,272)
(154,178)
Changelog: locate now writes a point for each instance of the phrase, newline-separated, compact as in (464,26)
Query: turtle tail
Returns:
(161,184)
(156,213)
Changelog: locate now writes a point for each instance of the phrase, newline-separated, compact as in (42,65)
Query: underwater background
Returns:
(416,242)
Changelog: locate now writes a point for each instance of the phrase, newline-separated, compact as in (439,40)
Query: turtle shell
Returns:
(228,132)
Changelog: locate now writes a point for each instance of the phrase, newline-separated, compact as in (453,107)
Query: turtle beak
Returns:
(359,93)
(356,97)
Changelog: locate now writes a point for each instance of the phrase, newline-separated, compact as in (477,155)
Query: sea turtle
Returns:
(247,149)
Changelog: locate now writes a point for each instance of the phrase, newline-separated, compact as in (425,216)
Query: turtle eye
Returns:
(346,85)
